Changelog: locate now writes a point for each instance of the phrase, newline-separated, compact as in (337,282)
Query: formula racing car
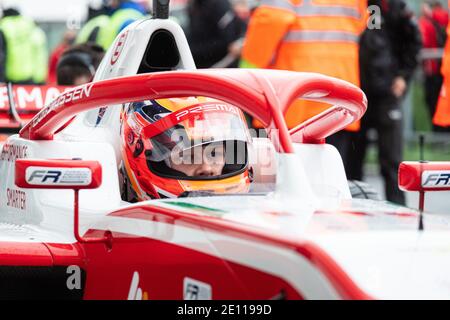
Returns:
(68,232)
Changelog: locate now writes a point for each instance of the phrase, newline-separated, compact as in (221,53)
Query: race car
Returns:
(67,232)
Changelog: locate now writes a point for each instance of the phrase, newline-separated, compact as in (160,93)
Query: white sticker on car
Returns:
(196,290)
(45,176)
(436,179)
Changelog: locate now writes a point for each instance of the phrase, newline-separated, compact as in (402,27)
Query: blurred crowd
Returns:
(23,49)
(335,39)
(433,24)
(215,30)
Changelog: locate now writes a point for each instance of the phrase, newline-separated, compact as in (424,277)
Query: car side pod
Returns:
(424,177)
(62,174)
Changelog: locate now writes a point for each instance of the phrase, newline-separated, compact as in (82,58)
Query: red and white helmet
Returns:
(179,145)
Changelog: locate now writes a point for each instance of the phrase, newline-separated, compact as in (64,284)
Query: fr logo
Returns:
(45,175)
(196,290)
(436,179)
(192,291)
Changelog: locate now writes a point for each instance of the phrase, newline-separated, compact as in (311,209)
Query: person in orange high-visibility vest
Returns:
(309,36)
(442,115)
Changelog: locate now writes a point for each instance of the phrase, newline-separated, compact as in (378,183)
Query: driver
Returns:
(172,147)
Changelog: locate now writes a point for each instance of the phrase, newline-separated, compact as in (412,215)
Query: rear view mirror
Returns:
(58,174)
(63,174)
(424,176)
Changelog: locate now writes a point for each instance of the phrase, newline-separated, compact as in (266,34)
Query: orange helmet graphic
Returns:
(179,145)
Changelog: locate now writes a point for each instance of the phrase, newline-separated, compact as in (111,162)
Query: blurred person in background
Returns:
(67,40)
(242,9)
(440,14)
(2,58)
(214,31)
(78,64)
(40,54)
(104,28)
(89,33)
(24,48)
(388,58)
(442,115)
(308,36)
(434,37)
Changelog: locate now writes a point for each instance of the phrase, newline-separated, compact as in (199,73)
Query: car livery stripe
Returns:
(304,265)
(196,207)
(285,264)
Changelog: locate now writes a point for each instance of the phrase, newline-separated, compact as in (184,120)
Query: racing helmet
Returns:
(175,146)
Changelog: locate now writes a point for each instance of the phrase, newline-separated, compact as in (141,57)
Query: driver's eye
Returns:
(217,152)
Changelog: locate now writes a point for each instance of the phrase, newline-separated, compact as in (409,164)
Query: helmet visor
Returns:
(178,134)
